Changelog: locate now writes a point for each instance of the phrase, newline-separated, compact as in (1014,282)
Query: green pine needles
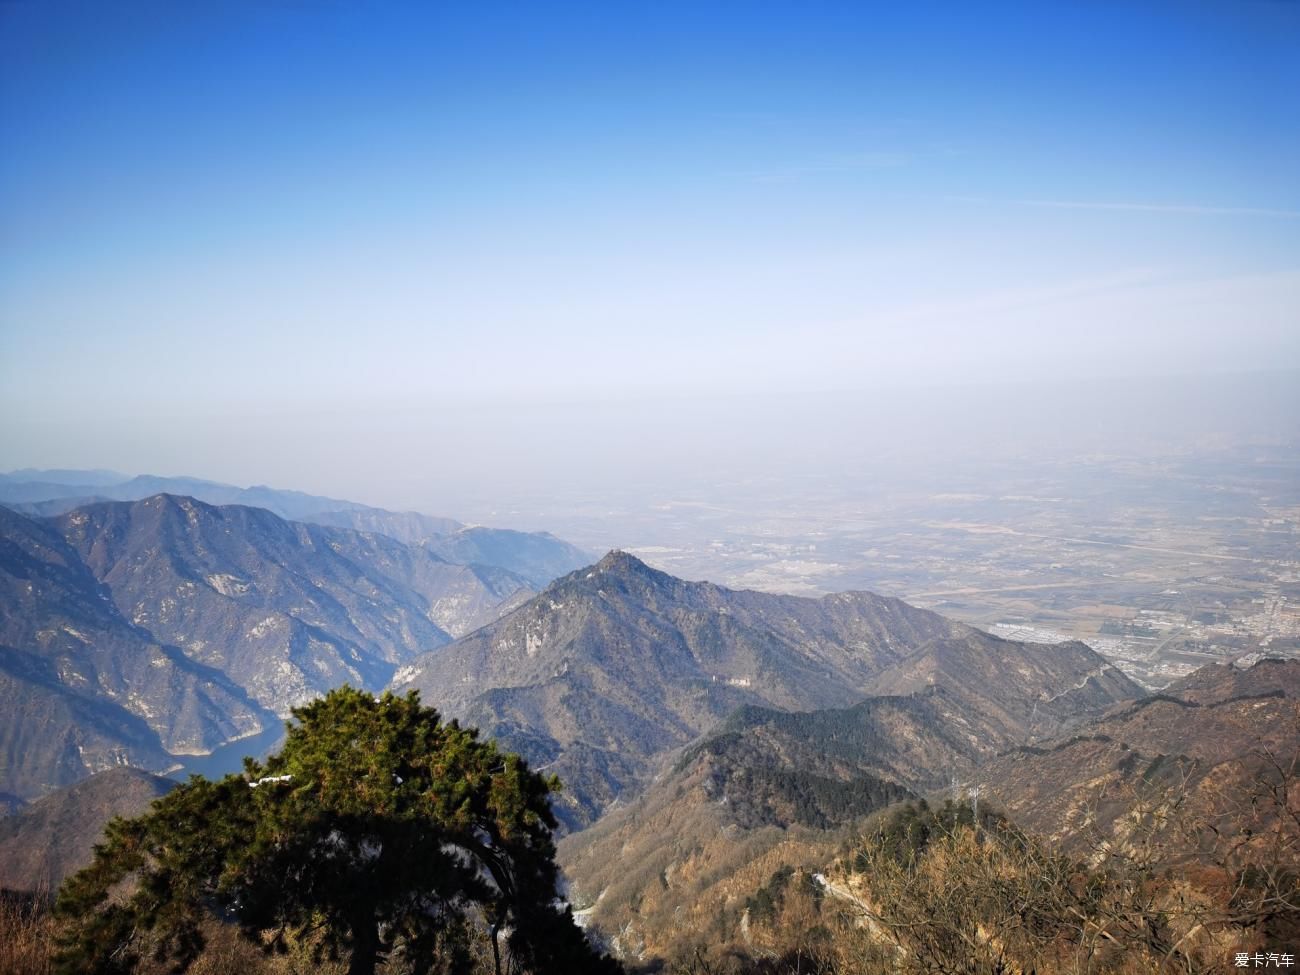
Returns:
(378,832)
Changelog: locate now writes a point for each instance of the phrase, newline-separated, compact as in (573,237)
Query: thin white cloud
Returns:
(1140,207)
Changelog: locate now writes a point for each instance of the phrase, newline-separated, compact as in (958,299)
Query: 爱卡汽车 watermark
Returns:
(1263,959)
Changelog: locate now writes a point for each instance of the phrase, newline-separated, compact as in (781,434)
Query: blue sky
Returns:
(245,209)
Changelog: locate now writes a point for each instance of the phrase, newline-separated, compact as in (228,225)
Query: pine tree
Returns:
(377,829)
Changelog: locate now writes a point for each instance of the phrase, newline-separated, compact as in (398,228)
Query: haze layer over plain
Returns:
(388,234)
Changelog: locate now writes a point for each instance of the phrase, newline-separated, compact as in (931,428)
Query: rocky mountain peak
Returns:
(620,563)
(620,573)
(615,665)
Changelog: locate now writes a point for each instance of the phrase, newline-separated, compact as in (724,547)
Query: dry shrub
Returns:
(26,935)
(982,900)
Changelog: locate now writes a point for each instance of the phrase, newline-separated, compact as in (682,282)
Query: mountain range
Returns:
(536,556)
(82,688)
(613,667)
(63,490)
(1199,772)
(1204,772)
(707,739)
(138,633)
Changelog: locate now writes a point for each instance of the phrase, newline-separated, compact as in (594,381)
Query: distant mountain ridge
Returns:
(612,667)
(64,476)
(30,486)
(538,557)
(408,527)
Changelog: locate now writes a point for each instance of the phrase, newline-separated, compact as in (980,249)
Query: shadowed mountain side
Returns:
(919,741)
(614,666)
(84,689)
(131,630)
(51,736)
(286,610)
(55,836)
(763,767)
(763,781)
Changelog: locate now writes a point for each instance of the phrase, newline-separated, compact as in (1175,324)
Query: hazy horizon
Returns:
(516,466)
(452,259)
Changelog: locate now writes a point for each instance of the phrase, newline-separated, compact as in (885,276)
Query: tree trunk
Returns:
(365,947)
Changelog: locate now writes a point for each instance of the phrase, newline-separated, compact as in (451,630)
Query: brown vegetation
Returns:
(29,935)
(26,935)
(934,891)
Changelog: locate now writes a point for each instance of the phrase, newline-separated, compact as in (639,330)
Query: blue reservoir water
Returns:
(230,757)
